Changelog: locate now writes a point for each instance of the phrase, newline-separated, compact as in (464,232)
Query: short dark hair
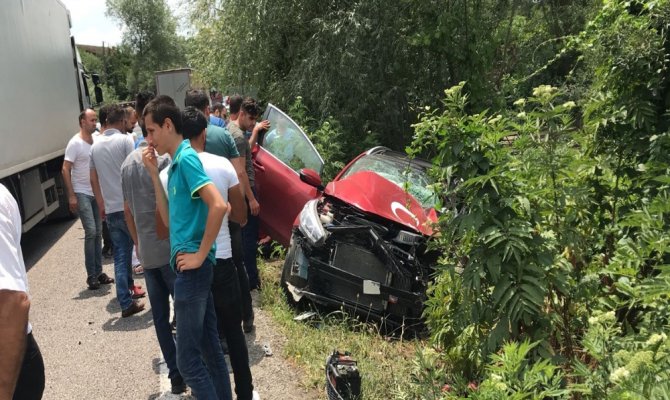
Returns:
(115,114)
(250,107)
(234,102)
(161,99)
(161,108)
(82,115)
(196,98)
(142,99)
(193,121)
(217,107)
(102,114)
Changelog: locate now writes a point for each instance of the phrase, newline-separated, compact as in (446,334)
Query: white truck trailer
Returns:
(43,91)
(174,83)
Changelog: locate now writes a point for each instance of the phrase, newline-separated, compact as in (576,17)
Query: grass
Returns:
(385,364)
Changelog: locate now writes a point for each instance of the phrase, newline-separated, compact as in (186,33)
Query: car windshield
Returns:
(410,176)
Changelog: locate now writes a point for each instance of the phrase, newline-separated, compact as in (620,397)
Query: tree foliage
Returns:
(150,37)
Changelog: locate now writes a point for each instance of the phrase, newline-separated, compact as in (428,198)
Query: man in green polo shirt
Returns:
(194,217)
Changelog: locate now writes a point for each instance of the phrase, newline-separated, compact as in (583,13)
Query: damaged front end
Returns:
(341,256)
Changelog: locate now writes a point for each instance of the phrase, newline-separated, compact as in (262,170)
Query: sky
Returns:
(91,26)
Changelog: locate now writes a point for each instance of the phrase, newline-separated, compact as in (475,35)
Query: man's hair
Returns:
(250,107)
(102,114)
(82,115)
(161,108)
(234,102)
(217,107)
(142,99)
(115,114)
(196,98)
(193,121)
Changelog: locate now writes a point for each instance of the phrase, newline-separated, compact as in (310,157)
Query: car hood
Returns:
(374,194)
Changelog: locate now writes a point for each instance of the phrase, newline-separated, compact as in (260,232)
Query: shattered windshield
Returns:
(411,177)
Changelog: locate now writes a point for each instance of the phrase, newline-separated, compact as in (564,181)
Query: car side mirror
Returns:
(96,79)
(312,178)
(98,94)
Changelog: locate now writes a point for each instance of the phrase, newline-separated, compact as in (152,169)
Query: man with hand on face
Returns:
(193,210)
(150,237)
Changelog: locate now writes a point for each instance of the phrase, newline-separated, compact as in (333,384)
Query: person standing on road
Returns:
(246,121)
(194,215)
(219,142)
(21,363)
(107,154)
(76,176)
(107,248)
(150,236)
(225,287)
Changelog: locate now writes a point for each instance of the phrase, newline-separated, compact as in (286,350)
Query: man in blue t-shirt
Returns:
(194,215)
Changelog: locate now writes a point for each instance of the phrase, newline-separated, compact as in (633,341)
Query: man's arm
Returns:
(216,210)
(97,192)
(130,222)
(14,307)
(151,164)
(246,186)
(261,126)
(67,180)
(239,207)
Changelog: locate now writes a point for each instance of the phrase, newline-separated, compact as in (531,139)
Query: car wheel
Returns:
(286,277)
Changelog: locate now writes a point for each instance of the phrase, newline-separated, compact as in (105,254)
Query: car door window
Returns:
(286,141)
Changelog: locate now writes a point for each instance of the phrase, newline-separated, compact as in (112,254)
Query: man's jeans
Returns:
(197,338)
(226,292)
(160,286)
(250,243)
(123,247)
(90,220)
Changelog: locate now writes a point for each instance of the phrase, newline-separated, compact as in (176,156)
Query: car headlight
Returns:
(310,224)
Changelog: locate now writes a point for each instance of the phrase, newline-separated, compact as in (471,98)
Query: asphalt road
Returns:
(90,352)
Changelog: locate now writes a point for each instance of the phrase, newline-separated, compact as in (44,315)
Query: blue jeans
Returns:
(123,247)
(197,338)
(160,286)
(250,243)
(90,220)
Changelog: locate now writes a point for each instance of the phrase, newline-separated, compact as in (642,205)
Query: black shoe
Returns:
(134,308)
(178,385)
(248,324)
(93,283)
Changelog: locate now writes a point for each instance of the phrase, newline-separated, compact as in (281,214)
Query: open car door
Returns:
(282,152)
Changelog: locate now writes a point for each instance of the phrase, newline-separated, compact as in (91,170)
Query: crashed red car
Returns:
(359,242)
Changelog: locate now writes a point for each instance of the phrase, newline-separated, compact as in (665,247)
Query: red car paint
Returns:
(373,194)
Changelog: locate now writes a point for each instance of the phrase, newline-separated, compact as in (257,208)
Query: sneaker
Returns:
(134,308)
(178,385)
(93,283)
(137,292)
(248,324)
(255,396)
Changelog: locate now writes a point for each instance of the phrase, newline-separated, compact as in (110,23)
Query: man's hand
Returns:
(102,213)
(74,204)
(254,207)
(261,126)
(150,160)
(186,261)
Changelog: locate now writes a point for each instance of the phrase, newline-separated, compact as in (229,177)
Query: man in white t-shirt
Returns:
(77,179)
(225,285)
(21,363)
(107,155)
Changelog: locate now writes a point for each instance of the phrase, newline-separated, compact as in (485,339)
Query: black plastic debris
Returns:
(343,380)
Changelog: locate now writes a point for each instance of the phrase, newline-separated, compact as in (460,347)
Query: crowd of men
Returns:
(175,188)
